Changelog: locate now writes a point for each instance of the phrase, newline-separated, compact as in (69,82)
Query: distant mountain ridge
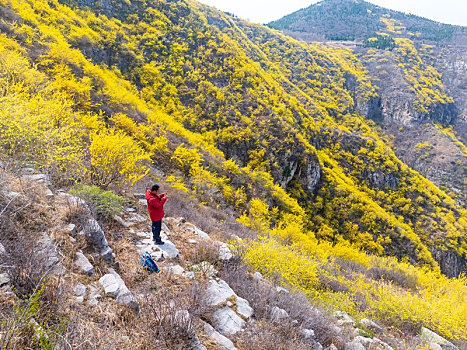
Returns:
(358,20)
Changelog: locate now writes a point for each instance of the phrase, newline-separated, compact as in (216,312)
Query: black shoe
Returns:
(159,242)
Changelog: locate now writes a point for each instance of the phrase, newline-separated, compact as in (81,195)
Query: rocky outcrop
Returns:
(96,237)
(45,249)
(221,342)
(115,287)
(227,322)
(83,264)
(431,337)
(451,264)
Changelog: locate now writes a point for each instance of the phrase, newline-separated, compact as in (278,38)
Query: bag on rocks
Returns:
(148,263)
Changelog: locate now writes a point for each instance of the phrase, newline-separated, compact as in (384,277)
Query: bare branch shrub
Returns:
(263,298)
(170,315)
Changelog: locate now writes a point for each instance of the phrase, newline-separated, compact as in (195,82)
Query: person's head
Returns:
(155,189)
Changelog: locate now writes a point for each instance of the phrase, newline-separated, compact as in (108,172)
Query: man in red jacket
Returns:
(156,211)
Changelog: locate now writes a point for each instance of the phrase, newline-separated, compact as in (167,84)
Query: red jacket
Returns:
(155,205)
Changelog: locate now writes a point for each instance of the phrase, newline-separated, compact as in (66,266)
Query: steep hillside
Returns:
(267,103)
(252,124)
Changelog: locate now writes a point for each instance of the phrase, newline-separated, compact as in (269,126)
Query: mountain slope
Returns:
(249,121)
(416,64)
(249,92)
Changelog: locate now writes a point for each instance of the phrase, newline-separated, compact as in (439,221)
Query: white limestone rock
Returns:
(40,178)
(110,284)
(227,322)
(343,319)
(257,276)
(83,263)
(281,290)
(169,250)
(166,229)
(4,280)
(220,341)
(243,308)
(432,337)
(114,285)
(354,346)
(308,333)
(122,222)
(80,290)
(373,326)
(218,292)
(174,270)
(189,275)
(372,343)
(278,314)
(224,252)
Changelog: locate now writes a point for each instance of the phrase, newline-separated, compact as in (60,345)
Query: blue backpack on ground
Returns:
(148,263)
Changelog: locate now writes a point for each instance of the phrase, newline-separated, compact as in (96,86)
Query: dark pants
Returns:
(156,230)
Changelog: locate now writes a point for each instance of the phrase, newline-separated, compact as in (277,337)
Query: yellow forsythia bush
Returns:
(116,159)
(269,257)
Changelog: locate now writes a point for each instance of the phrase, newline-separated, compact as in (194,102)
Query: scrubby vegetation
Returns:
(247,120)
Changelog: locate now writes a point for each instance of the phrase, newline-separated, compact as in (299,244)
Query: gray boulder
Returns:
(218,339)
(227,322)
(354,346)
(96,237)
(83,264)
(432,337)
(4,279)
(80,290)
(368,324)
(174,270)
(218,292)
(278,314)
(46,251)
(308,333)
(224,252)
(114,286)
(243,308)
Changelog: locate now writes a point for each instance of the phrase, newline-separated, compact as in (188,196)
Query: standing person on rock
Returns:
(156,211)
